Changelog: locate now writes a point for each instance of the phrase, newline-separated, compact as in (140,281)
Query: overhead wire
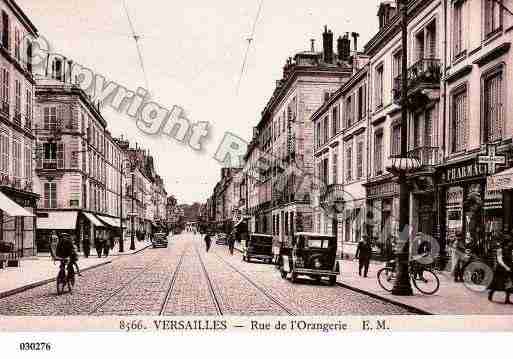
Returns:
(137,45)
(250,40)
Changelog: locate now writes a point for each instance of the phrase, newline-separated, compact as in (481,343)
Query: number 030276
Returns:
(35,346)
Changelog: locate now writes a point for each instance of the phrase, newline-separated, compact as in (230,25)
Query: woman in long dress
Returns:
(502,276)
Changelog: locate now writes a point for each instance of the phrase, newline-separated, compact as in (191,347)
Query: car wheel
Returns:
(332,280)
(293,278)
(248,259)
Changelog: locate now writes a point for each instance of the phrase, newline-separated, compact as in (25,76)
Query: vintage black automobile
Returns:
(258,246)
(159,240)
(312,255)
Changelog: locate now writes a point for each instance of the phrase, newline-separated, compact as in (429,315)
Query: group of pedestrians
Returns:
(103,245)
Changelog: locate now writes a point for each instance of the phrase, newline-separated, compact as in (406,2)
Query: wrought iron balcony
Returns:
(426,155)
(425,73)
(17,118)
(332,193)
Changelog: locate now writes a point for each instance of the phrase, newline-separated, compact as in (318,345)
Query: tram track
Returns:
(120,289)
(173,281)
(210,285)
(257,286)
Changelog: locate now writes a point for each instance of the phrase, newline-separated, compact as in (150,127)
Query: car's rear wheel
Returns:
(293,278)
(332,280)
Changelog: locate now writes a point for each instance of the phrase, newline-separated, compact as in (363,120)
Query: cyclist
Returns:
(66,249)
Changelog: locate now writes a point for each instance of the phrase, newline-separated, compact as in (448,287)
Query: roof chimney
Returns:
(327,42)
(355,36)
(344,47)
(312,46)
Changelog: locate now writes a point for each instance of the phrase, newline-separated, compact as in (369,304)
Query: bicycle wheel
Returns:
(61,282)
(386,277)
(428,283)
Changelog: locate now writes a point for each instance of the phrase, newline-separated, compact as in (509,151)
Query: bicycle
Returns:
(425,280)
(66,276)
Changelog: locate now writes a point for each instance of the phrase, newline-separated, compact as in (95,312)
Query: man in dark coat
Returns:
(208,240)
(363,253)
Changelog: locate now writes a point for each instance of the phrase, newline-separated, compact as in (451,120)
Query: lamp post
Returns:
(402,285)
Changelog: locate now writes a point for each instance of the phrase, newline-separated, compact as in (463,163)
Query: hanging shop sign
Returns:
(491,159)
(502,181)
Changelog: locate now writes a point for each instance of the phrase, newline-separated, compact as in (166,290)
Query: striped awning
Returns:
(12,208)
(92,218)
(113,222)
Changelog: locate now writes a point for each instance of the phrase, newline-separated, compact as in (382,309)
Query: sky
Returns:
(193,52)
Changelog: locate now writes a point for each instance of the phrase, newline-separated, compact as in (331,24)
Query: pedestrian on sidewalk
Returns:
(208,240)
(106,245)
(502,276)
(86,246)
(363,253)
(231,241)
(457,253)
(54,240)
(98,244)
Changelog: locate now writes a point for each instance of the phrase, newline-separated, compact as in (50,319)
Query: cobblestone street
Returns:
(184,280)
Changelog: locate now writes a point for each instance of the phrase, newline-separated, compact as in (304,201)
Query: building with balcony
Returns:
(284,139)
(340,157)
(17,195)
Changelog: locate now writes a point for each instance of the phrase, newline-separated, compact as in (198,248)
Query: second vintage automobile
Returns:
(312,255)
(258,246)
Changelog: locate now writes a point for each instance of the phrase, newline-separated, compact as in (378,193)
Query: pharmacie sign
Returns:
(466,171)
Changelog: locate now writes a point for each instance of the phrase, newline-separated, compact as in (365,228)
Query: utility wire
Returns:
(137,45)
(250,40)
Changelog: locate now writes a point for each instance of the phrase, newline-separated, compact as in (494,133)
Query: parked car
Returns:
(221,238)
(159,240)
(258,246)
(312,255)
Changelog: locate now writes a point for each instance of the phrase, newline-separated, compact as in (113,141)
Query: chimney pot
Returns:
(327,38)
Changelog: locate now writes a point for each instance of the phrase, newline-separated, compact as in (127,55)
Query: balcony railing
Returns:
(332,193)
(427,156)
(49,164)
(423,72)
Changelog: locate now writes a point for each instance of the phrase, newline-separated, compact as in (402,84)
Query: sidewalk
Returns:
(35,271)
(451,299)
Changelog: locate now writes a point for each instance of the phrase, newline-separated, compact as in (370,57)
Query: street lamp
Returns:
(402,285)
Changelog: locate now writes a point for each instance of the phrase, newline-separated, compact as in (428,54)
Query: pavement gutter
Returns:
(43,282)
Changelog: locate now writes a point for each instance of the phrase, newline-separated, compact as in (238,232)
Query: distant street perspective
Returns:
(184,279)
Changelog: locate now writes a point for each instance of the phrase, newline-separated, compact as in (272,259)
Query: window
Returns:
(492,101)
(417,130)
(335,168)
(57,69)
(457,31)
(349,111)
(493,16)
(28,163)
(378,153)
(397,63)
(17,43)
(419,46)
(349,164)
(16,157)
(379,87)
(50,155)
(335,121)
(4,151)
(396,140)
(459,121)
(50,118)
(17,96)
(5,29)
(326,130)
(325,172)
(28,109)
(361,101)
(50,195)
(359,160)
(5,88)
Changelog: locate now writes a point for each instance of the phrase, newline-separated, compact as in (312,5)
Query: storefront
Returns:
(380,216)
(475,204)
(17,222)
(55,221)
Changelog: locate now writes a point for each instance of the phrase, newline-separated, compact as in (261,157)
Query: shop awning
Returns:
(113,222)
(501,181)
(58,220)
(12,208)
(92,218)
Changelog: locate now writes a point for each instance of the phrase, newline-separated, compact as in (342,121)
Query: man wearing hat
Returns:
(66,249)
(363,253)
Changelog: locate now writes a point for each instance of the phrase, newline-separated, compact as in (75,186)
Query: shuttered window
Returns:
(378,153)
(28,163)
(457,31)
(50,195)
(4,152)
(335,121)
(16,157)
(492,97)
(50,118)
(459,121)
(396,140)
(359,160)
(493,16)
(5,86)
(349,164)
(335,168)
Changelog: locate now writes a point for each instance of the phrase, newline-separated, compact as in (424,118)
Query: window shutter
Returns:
(74,153)
(60,155)
(46,195)
(60,117)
